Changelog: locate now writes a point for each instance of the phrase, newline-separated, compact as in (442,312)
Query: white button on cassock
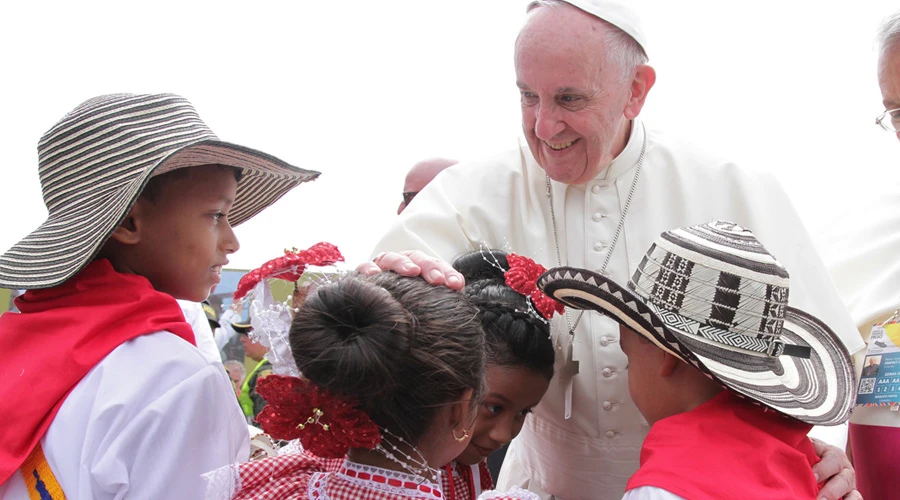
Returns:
(610,434)
(595,189)
(607,372)
(598,217)
(607,405)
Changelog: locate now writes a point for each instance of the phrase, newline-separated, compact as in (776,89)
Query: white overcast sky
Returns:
(360,90)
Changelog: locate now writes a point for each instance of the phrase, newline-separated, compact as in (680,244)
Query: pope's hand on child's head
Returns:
(837,471)
(415,263)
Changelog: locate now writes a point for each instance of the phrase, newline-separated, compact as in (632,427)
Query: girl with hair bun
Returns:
(519,360)
(392,376)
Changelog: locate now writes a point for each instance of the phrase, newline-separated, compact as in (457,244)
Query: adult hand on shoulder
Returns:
(415,263)
(838,472)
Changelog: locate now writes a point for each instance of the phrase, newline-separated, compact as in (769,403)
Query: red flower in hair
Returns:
(327,425)
(522,277)
(290,266)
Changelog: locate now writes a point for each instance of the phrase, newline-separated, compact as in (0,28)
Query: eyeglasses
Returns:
(408,196)
(889,120)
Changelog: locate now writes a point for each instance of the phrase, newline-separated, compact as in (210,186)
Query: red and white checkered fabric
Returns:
(303,475)
(457,480)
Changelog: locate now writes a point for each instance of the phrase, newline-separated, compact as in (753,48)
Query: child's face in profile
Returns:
(185,235)
(512,391)
(644,378)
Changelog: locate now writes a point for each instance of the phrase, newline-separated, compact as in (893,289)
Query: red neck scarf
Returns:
(60,334)
(727,448)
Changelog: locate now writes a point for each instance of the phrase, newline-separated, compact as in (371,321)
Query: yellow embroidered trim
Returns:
(39,479)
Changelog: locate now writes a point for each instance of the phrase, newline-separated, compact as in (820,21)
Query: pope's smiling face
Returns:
(573,100)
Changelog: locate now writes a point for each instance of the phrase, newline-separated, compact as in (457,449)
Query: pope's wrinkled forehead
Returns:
(561,28)
(596,15)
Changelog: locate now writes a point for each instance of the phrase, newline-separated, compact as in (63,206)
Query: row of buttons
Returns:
(600,246)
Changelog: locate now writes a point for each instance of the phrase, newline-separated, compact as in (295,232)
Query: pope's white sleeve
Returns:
(432,223)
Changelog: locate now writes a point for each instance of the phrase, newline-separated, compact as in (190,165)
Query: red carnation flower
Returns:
(289,266)
(522,277)
(327,425)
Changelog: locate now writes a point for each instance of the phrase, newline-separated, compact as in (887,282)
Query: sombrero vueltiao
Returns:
(97,159)
(714,297)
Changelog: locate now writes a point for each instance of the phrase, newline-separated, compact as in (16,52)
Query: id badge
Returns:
(879,383)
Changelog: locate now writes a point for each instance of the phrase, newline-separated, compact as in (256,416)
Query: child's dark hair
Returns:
(156,183)
(514,336)
(401,347)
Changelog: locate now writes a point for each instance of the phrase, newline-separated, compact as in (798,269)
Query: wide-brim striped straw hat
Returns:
(715,298)
(95,162)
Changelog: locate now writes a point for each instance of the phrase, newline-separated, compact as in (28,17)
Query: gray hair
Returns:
(622,50)
(888,33)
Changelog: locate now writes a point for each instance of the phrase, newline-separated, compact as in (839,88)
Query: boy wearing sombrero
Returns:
(104,393)
(730,378)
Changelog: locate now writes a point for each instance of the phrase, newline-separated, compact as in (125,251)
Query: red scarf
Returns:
(728,448)
(59,336)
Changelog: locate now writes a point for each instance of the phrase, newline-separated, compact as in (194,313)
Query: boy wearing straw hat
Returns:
(141,198)
(713,348)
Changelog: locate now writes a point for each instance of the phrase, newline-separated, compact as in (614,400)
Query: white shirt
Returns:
(650,493)
(145,422)
(502,203)
(203,334)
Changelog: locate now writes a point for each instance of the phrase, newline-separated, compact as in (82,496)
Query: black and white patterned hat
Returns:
(714,297)
(95,162)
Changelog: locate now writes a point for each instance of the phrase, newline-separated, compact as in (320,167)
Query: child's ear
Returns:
(128,232)
(461,411)
(669,365)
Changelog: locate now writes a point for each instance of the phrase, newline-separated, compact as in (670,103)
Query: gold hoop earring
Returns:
(462,438)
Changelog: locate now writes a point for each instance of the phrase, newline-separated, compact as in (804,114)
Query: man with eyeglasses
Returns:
(889,74)
(419,176)
(867,273)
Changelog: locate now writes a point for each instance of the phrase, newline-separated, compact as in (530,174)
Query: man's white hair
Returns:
(622,50)
(889,33)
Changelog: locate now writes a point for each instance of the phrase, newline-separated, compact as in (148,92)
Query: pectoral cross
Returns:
(570,368)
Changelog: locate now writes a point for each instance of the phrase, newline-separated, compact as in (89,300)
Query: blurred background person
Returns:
(865,268)
(236,373)
(251,402)
(419,176)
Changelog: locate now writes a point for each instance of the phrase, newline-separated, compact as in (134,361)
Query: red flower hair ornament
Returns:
(522,277)
(326,424)
(289,266)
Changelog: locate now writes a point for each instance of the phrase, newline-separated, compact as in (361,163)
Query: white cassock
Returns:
(144,423)
(503,203)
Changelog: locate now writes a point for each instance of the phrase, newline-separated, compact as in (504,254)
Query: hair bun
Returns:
(361,336)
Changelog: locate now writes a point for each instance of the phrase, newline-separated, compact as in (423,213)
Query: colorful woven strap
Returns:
(39,479)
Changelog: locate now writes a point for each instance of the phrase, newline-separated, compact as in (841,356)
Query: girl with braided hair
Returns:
(519,360)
